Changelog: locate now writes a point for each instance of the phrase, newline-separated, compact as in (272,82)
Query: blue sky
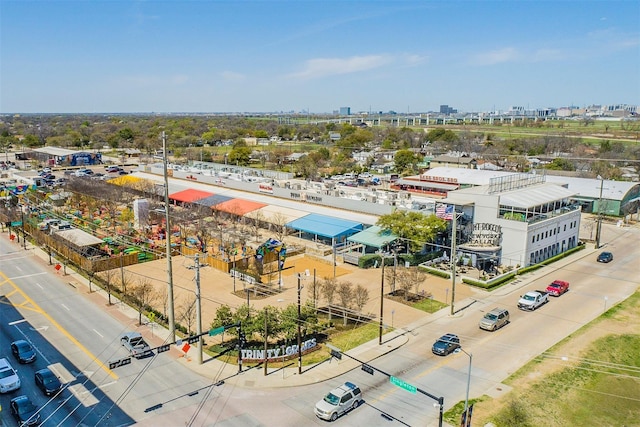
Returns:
(270,56)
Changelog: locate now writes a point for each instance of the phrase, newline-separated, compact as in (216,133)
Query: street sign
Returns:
(402,384)
(121,362)
(216,331)
(16,223)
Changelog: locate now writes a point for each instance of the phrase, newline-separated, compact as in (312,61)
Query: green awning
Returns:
(372,237)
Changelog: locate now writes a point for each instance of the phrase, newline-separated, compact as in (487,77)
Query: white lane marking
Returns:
(101,336)
(39,285)
(66,308)
(15,322)
(27,275)
(17,267)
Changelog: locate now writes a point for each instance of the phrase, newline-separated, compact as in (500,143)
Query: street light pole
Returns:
(466,400)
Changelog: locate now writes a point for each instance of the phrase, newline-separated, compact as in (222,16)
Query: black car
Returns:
(446,344)
(47,382)
(24,411)
(23,351)
(605,257)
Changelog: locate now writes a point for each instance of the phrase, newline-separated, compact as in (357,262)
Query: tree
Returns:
(329,288)
(143,295)
(108,276)
(414,227)
(188,311)
(405,160)
(345,293)
(408,278)
(360,297)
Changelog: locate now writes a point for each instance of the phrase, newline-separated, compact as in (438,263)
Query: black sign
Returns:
(163,348)
(121,362)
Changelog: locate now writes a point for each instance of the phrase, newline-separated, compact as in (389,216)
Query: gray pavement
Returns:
(405,321)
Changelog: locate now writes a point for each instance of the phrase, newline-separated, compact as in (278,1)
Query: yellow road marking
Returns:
(60,328)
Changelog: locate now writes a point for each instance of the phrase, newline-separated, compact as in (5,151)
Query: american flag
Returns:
(444,211)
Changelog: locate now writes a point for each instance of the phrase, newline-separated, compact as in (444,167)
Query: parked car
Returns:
(605,257)
(9,379)
(24,411)
(558,287)
(23,351)
(446,344)
(495,319)
(338,401)
(47,382)
(111,169)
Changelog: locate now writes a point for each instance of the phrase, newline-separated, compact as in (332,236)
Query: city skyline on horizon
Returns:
(407,57)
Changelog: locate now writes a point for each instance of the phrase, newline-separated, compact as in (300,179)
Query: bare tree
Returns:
(278,221)
(256,223)
(345,293)
(143,294)
(125,281)
(360,297)
(329,288)
(108,276)
(188,312)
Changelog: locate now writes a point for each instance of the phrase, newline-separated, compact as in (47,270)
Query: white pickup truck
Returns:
(532,300)
(136,345)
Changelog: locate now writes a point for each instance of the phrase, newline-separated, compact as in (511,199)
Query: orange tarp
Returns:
(238,206)
(189,196)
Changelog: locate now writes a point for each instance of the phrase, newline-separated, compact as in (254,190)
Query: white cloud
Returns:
(507,54)
(322,67)
(153,80)
(232,76)
(510,54)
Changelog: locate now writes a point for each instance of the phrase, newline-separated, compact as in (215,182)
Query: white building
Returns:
(518,220)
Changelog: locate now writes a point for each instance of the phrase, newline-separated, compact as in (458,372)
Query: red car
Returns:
(558,287)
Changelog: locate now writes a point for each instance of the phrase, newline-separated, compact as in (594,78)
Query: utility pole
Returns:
(381,301)
(170,308)
(299,330)
(453,261)
(198,309)
(599,226)
(266,359)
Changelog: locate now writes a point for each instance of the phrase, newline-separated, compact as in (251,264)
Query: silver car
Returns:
(9,379)
(338,401)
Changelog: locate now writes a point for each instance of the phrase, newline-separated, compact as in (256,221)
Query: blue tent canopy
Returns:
(325,226)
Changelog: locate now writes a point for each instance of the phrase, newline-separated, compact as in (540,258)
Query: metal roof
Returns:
(534,196)
(372,237)
(325,226)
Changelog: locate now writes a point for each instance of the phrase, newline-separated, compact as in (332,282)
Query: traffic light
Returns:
(242,340)
(193,339)
(336,354)
(163,348)
(368,369)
